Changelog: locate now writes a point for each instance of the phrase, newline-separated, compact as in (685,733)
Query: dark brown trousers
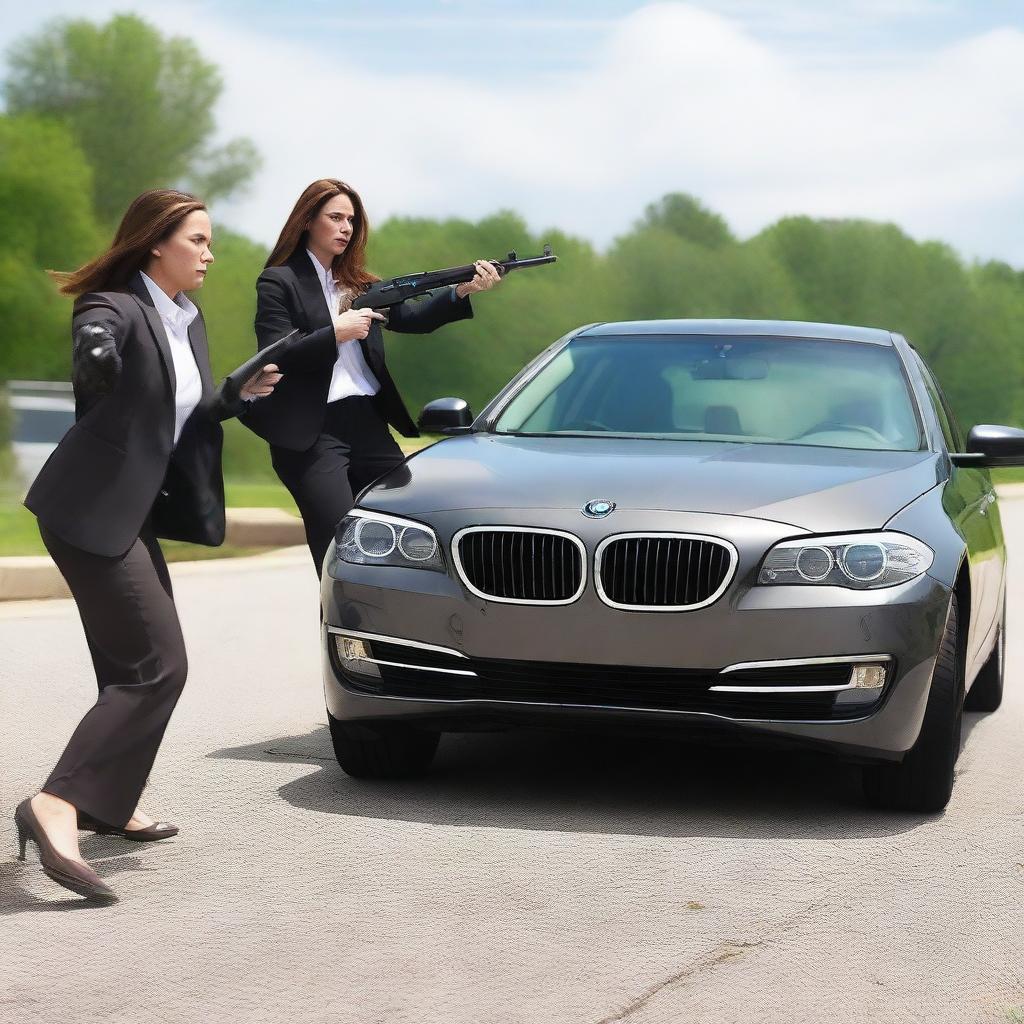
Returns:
(131,626)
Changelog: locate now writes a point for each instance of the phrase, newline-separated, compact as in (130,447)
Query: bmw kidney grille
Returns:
(518,565)
(663,571)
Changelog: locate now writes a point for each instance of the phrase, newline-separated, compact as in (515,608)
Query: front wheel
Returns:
(923,780)
(382,750)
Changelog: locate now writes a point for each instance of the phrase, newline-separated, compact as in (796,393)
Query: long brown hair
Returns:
(348,267)
(152,217)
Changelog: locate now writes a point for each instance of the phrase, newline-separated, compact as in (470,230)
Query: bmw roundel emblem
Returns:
(598,508)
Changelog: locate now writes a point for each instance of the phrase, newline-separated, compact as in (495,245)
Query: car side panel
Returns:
(968,502)
(948,519)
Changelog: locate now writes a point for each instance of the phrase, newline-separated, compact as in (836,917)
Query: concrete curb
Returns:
(36,578)
(30,578)
(46,600)
(263,528)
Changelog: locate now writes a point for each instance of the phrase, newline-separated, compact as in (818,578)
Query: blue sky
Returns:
(502,40)
(578,114)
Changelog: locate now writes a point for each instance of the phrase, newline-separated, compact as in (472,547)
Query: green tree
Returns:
(661,274)
(687,217)
(228,300)
(139,106)
(473,359)
(8,469)
(46,222)
(994,376)
(861,272)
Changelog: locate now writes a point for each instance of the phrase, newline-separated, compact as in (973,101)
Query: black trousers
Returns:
(354,449)
(131,626)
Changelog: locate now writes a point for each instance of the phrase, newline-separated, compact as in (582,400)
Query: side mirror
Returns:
(446,416)
(990,446)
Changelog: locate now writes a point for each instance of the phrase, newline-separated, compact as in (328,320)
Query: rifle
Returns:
(397,289)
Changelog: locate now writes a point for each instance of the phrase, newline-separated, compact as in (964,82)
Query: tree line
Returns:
(68,169)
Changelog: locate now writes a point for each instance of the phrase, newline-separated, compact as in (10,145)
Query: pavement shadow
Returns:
(19,879)
(972,719)
(527,779)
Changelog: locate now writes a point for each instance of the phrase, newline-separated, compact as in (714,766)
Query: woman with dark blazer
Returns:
(142,461)
(327,423)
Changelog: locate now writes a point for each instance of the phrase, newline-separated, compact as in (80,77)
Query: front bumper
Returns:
(747,624)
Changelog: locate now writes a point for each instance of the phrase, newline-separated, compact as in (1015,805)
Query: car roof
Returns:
(740,328)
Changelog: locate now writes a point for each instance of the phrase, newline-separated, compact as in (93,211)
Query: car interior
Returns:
(840,394)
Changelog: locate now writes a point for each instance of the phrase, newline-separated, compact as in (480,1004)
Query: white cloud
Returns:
(675,97)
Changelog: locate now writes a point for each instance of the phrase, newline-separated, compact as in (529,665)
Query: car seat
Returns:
(644,405)
(722,419)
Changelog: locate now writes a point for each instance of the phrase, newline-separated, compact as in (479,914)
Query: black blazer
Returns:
(115,467)
(290,296)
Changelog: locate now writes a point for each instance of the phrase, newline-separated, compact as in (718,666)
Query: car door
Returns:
(971,502)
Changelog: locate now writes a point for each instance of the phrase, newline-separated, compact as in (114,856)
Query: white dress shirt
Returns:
(351,374)
(176,315)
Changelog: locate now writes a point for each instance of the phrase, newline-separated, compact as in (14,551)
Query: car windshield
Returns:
(698,388)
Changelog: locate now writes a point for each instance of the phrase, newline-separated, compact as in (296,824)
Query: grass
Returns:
(258,495)
(19,534)
(1008,476)
(178,551)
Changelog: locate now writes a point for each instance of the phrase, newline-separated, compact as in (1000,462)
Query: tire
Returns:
(923,780)
(382,750)
(987,692)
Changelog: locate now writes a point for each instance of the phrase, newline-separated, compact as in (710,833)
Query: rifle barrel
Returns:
(415,284)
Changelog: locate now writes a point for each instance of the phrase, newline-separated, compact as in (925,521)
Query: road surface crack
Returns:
(298,755)
(723,953)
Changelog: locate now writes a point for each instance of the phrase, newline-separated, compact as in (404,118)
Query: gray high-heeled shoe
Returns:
(150,834)
(72,874)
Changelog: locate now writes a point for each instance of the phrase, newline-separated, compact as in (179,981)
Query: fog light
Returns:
(868,677)
(352,650)
(354,656)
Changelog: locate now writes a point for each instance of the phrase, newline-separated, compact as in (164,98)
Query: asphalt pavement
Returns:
(531,877)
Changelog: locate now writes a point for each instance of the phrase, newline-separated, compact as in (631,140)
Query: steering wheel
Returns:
(591,425)
(819,428)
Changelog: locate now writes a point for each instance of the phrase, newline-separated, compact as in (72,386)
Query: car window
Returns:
(950,428)
(753,390)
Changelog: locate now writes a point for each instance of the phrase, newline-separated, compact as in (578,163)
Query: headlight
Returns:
(372,538)
(861,561)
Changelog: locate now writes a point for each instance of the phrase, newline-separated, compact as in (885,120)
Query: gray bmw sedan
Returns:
(756,530)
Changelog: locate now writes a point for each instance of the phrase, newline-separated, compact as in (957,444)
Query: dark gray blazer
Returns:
(290,296)
(115,467)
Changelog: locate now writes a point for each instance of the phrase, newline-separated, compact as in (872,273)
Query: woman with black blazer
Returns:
(327,423)
(142,461)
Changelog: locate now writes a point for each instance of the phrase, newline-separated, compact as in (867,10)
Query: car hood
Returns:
(814,488)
